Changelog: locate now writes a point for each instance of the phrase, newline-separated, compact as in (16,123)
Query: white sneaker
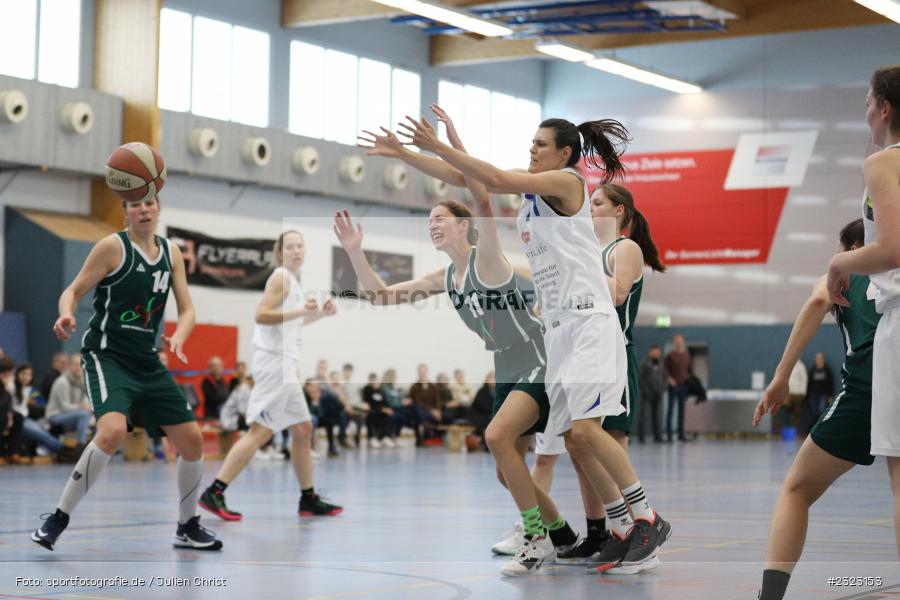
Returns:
(529,557)
(261,455)
(374,443)
(511,541)
(315,454)
(389,443)
(635,568)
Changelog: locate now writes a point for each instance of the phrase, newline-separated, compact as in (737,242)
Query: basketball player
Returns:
(880,258)
(131,272)
(586,354)
(277,401)
(488,298)
(840,439)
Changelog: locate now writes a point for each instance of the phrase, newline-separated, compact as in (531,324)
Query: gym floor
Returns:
(419,523)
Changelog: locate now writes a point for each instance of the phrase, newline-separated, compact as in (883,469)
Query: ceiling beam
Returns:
(761,17)
(307,13)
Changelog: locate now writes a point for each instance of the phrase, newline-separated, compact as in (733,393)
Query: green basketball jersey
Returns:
(129,303)
(501,316)
(628,310)
(857,325)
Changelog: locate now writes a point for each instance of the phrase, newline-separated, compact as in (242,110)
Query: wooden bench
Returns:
(456,436)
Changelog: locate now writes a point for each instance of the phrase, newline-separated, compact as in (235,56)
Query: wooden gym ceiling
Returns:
(755,17)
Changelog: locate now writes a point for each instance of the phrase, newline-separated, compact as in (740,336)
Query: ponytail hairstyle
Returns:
(462,214)
(604,143)
(853,234)
(279,246)
(635,222)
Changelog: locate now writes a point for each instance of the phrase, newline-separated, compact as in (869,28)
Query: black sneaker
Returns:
(195,536)
(646,538)
(214,502)
(612,553)
(584,550)
(54,524)
(315,506)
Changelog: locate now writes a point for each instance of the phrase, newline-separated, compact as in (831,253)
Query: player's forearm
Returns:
(67,303)
(874,257)
(185,324)
(802,333)
(435,167)
(376,291)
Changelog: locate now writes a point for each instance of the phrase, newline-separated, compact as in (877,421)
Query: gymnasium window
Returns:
(228,75)
(334,95)
(41,38)
(493,126)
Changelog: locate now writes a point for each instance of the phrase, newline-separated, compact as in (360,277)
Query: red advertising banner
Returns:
(694,219)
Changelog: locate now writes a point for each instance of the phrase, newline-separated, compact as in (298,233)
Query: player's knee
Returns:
(498,439)
(109,437)
(302,433)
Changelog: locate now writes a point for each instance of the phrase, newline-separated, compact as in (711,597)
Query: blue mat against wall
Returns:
(12,335)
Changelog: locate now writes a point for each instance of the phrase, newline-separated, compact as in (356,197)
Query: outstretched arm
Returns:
(103,259)
(490,263)
(805,327)
(376,291)
(556,186)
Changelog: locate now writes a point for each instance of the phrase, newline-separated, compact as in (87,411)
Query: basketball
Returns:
(135,171)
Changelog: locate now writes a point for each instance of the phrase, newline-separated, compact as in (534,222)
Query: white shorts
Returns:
(277,400)
(587,368)
(549,445)
(886,386)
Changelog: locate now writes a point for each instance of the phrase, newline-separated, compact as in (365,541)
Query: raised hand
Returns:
(420,134)
(64,327)
(452,135)
(349,237)
(836,284)
(330,308)
(387,145)
(311,306)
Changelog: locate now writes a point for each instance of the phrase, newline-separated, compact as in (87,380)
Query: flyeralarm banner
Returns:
(243,263)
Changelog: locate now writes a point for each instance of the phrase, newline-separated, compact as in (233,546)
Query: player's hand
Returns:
(64,327)
(311,306)
(452,135)
(349,237)
(772,399)
(176,347)
(420,134)
(387,144)
(836,284)
(330,308)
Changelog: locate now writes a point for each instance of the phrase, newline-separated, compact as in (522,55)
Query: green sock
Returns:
(559,523)
(531,521)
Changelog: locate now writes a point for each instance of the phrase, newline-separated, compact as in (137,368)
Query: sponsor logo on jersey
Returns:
(76,475)
(141,312)
(141,269)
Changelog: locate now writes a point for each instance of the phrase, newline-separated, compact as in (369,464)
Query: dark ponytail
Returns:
(636,223)
(604,143)
(853,234)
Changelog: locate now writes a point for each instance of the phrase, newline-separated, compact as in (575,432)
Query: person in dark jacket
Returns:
(651,384)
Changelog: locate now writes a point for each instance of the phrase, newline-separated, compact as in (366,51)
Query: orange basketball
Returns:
(135,171)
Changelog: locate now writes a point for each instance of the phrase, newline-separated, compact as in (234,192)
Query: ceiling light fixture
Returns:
(623,69)
(450,16)
(885,8)
(564,51)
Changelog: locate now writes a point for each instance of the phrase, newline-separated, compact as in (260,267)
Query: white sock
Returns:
(190,473)
(637,501)
(617,518)
(88,468)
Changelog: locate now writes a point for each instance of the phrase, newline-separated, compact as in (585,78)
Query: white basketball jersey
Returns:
(886,284)
(565,257)
(284,338)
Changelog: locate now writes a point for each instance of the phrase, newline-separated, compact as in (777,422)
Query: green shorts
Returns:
(145,390)
(624,421)
(843,430)
(512,374)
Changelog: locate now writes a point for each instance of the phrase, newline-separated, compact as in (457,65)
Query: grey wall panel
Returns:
(29,142)
(86,153)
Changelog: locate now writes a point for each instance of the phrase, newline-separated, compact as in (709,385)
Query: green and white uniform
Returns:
(504,318)
(627,312)
(843,430)
(121,366)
